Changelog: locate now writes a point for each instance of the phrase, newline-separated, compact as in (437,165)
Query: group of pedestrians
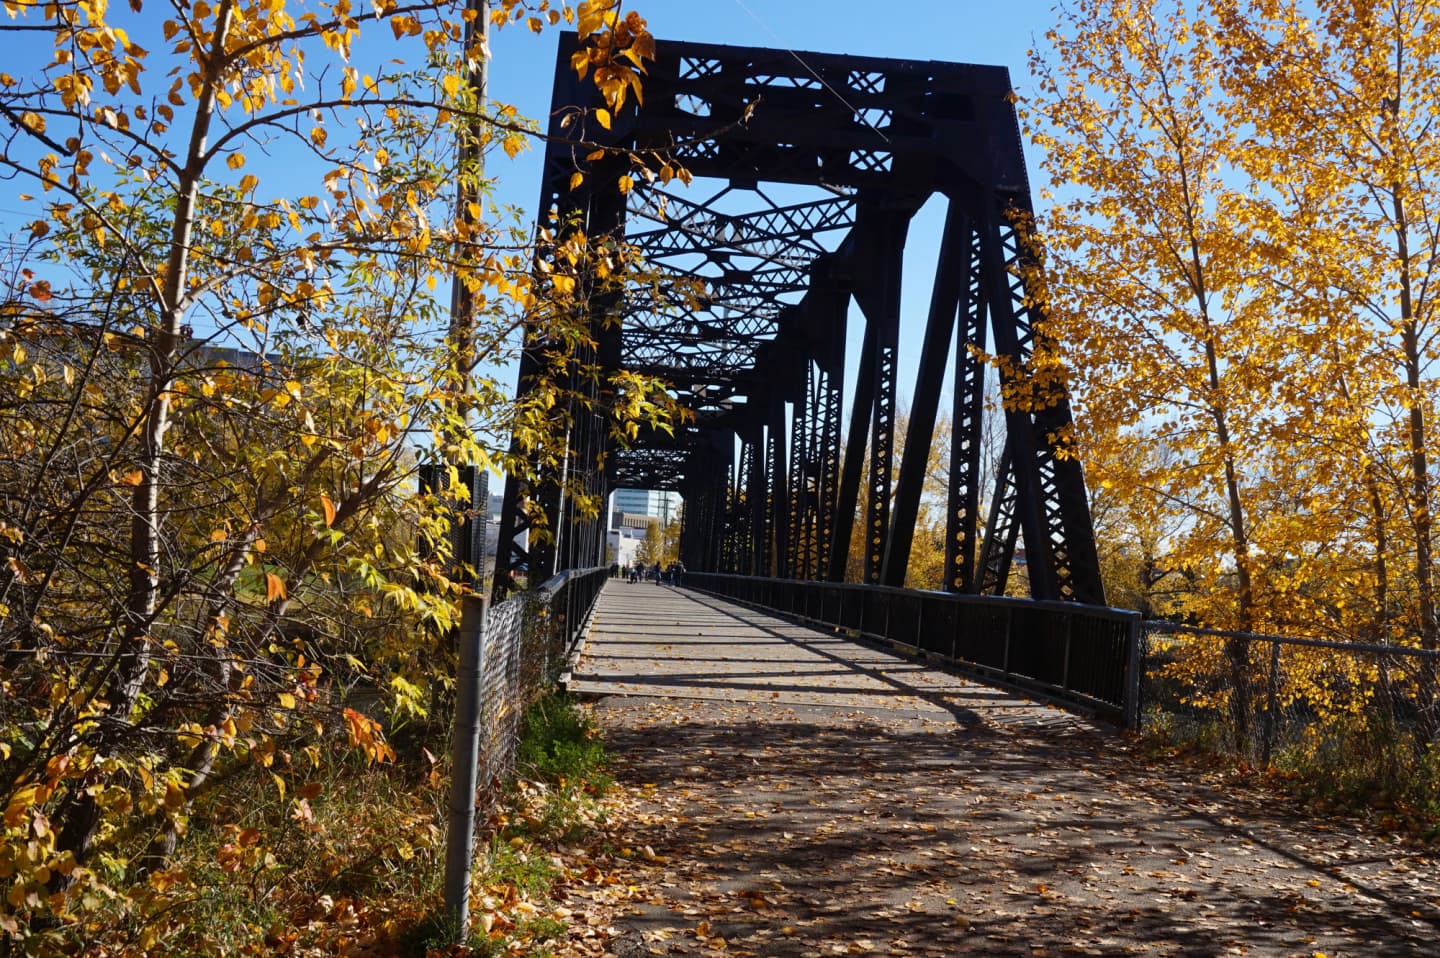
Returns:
(668,575)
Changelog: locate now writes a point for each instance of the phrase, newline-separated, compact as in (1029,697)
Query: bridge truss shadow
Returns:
(805,791)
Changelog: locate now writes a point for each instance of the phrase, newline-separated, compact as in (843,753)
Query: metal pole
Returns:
(464,764)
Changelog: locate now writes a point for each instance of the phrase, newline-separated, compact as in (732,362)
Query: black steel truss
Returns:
(807,172)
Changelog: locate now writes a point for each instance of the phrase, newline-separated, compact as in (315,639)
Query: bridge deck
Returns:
(803,795)
(677,643)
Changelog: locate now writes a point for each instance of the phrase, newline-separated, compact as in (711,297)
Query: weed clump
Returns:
(551,802)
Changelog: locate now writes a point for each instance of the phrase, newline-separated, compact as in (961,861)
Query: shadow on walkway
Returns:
(804,795)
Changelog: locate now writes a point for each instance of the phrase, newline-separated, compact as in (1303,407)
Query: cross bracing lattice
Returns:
(806,171)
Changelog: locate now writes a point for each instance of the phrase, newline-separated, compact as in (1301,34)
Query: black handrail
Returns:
(1075,656)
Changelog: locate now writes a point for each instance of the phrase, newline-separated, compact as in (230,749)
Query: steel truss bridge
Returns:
(808,171)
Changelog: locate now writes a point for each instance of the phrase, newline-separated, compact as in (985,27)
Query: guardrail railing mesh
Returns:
(1278,700)
(528,638)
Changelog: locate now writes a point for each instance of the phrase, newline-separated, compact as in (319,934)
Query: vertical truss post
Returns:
(1013,345)
(703,530)
(950,280)
(740,527)
(967,437)
(802,495)
(830,408)
(519,532)
(757,495)
(778,495)
(882,245)
(842,518)
(1053,510)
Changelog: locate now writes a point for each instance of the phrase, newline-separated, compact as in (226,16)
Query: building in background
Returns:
(663,506)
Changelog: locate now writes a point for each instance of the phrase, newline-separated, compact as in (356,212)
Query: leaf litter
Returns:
(757,826)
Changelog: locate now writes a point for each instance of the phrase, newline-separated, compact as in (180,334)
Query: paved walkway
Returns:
(803,795)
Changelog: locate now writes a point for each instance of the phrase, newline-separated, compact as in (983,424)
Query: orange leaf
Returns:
(274,587)
(329,508)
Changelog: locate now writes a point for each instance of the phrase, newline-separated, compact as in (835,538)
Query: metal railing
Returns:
(1268,697)
(1076,656)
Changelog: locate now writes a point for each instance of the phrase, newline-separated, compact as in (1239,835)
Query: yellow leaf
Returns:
(274,587)
(451,83)
(576,179)
(287,701)
(625,183)
(21,801)
(602,116)
(235,161)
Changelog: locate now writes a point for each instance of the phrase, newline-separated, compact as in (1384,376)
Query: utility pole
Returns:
(465,744)
(467,196)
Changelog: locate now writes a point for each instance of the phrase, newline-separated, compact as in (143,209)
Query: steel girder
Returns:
(749,326)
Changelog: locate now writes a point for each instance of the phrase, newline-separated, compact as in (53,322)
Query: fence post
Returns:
(1272,696)
(464,762)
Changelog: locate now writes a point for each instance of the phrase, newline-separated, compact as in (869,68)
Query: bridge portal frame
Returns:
(879,137)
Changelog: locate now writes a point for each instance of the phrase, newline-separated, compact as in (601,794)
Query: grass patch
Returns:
(559,745)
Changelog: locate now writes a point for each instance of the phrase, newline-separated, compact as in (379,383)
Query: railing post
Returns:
(1135,662)
(1009,637)
(464,763)
(1065,665)
(1272,697)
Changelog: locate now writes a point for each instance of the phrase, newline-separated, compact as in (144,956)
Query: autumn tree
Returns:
(1149,271)
(1347,157)
(223,350)
(651,548)
(1240,260)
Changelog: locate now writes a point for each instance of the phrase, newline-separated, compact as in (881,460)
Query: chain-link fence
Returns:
(1365,711)
(528,639)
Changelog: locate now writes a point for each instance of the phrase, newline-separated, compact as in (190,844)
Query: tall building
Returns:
(664,506)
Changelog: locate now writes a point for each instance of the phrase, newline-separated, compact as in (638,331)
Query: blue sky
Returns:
(522,69)
(946,30)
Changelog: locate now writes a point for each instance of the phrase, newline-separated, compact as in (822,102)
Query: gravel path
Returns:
(797,794)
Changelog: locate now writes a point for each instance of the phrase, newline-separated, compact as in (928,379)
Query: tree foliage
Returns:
(1239,262)
(224,348)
